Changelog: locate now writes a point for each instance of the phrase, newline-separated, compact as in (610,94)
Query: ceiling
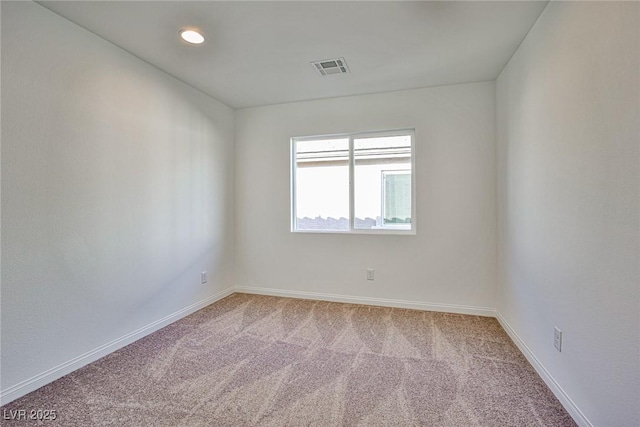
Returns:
(259,53)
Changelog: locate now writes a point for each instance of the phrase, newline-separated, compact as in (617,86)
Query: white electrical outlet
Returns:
(557,338)
(371,274)
(203,277)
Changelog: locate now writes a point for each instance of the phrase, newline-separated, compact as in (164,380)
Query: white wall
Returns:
(568,137)
(117,191)
(451,260)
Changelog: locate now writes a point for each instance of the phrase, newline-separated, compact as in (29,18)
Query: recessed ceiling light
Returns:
(191,36)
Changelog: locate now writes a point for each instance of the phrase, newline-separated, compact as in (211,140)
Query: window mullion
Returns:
(351,185)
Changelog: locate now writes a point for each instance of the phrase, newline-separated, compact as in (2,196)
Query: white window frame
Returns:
(351,136)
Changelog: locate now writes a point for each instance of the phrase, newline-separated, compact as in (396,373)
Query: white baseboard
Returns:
(563,397)
(428,306)
(50,375)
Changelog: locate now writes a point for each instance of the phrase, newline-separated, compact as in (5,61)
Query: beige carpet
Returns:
(251,360)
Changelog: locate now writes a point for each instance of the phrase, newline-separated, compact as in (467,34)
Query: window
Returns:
(360,183)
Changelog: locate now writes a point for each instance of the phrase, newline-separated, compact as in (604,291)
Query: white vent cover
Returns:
(331,66)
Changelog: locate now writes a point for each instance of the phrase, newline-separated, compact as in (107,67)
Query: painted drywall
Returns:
(568,148)
(117,191)
(451,259)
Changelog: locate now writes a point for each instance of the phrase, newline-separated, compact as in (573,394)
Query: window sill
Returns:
(370,232)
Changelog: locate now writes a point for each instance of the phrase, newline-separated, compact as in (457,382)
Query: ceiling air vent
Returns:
(331,66)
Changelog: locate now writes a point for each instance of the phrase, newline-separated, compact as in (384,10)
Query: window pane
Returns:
(382,187)
(322,185)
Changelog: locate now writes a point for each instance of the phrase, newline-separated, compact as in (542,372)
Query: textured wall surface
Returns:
(452,259)
(568,137)
(116,193)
